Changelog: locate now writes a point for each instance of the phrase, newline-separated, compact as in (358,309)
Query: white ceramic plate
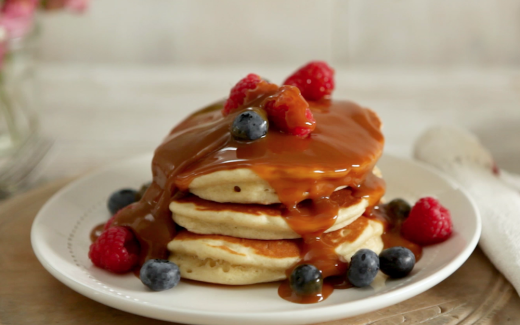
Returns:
(60,239)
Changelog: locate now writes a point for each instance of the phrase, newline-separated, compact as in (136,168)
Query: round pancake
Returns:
(238,261)
(252,221)
(240,185)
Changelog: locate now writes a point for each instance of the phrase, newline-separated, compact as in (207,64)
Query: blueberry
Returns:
(363,268)
(306,279)
(397,262)
(398,208)
(250,125)
(160,275)
(121,199)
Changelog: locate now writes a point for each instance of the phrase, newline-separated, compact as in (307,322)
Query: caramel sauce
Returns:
(96,232)
(285,291)
(349,233)
(341,151)
(393,238)
(319,249)
(329,285)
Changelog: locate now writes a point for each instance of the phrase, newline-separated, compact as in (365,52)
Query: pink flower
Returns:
(53,4)
(77,5)
(17,16)
(72,5)
(3,45)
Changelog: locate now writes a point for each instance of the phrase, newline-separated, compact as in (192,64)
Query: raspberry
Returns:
(428,223)
(116,250)
(315,80)
(290,112)
(239,91)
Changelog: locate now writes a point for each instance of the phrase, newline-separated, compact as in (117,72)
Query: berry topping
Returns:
(363,268)
(239,91)
(290,112)
(315,80)
(398,209)
(250,125)
(428,223)
(121,199)
(116,250)
(160,275)
(397,262)
(306,279)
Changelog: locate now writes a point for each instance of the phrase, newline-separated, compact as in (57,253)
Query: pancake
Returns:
(241,185)
(237,261)
(254,221)
(341,151)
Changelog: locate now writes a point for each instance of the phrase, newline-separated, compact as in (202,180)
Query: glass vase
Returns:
(18,121)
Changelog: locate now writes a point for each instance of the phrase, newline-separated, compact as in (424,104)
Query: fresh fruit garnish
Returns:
(121,199)
(428,223)
(239,91)
(250,125)
(363,268)
(160,275)
(306,279)
(116,250)
(315,80)
(397,262)
(290,112)
(398,209)
(247,90)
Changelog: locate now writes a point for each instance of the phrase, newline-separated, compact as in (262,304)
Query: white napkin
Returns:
(496,193)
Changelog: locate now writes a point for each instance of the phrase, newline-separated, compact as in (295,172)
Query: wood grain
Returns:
(475,294)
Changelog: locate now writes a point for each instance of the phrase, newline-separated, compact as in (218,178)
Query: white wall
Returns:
(356,32)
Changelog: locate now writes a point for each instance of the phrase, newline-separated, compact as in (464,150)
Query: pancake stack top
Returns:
(252,210)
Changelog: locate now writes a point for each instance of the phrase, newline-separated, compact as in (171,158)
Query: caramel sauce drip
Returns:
(150,218)
(96,232)
(341,151)
(311,225)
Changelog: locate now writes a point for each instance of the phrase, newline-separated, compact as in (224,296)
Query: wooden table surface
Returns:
(475,294)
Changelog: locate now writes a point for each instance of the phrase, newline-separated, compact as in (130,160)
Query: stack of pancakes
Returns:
(236,232)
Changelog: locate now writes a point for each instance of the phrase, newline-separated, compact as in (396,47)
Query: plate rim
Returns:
(308,316)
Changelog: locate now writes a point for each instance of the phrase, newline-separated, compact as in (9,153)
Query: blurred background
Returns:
(113,79)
